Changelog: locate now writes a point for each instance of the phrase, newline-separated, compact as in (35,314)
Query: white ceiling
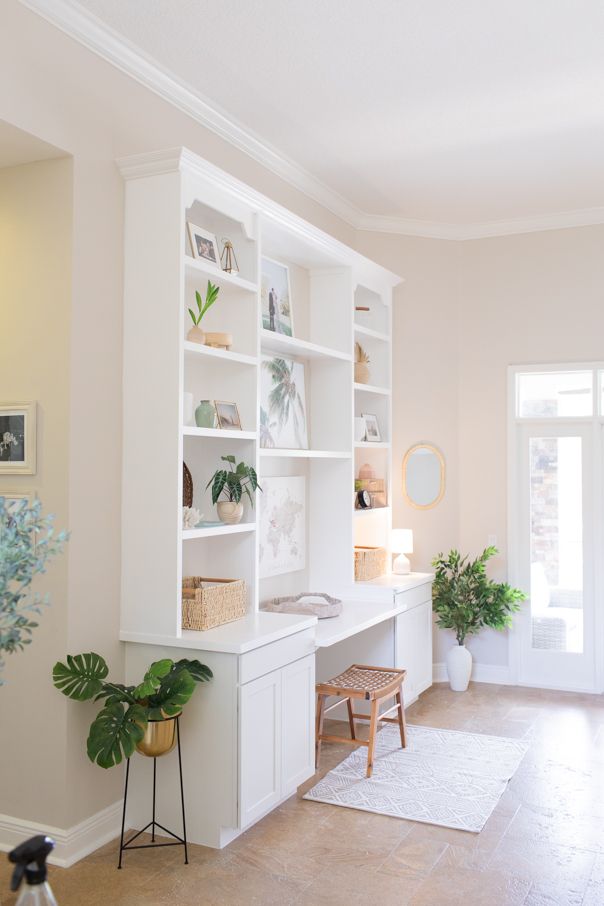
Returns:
(18,147)
(417,113)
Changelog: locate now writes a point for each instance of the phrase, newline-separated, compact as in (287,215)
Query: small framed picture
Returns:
(372,429)
(18,438)
(275,296)
(228,415)
(204,245)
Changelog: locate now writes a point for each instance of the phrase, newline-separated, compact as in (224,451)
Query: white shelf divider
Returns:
(219,277)
(224,433)
(213,531)
(369,332)
(371,445)
(276,342)
(305,454)
(224,355)
(369,388)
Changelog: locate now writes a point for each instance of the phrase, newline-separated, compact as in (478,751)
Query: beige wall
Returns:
(533,298)
(35,309)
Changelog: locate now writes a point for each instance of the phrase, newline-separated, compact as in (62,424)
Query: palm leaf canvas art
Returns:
(283,404)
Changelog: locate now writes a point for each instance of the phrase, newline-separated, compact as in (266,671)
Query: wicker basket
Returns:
(211,602)
(369,563)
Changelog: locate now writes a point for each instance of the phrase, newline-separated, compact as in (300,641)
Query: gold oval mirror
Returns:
(423,476)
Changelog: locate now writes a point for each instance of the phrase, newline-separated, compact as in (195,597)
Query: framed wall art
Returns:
(18,438)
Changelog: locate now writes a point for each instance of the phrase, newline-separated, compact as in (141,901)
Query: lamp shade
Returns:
(401,541)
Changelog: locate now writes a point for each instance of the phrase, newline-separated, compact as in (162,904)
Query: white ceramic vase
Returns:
(229,512)
(459,667)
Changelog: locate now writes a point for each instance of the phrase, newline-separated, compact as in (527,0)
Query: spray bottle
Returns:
(29,859)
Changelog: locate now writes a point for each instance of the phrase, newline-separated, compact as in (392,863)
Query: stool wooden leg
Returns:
(401,718)
(320,715)
(351,719)
(373,724)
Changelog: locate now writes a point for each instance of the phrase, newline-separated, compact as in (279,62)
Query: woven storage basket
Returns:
(211,602)
(369,563)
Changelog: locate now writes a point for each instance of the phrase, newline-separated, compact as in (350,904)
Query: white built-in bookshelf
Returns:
(328,282)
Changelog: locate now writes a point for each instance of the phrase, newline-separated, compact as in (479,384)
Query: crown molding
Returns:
(82,26)
(121,53)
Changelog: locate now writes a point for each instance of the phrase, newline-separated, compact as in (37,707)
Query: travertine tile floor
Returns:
(544,844)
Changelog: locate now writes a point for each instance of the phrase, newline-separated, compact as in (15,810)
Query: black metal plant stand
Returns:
(153,824)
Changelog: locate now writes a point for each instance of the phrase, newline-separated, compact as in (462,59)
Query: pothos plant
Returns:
(234,482)
(121,723)
(465,600)
(27,543)
(202,307)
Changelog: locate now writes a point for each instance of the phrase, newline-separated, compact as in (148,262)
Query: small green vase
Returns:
(205,414)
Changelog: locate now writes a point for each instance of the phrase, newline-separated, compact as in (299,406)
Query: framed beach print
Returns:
(275,296)
(372,429)
(204,245)
(282,404)
(18,438)
(228,415)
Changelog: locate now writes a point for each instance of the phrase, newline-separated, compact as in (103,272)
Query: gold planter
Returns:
(159,738)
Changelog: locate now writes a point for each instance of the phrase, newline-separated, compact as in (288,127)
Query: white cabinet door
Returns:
(260,710)
(414,648)
(298,724)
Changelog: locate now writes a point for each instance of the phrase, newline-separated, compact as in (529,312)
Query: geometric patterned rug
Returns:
(444,777)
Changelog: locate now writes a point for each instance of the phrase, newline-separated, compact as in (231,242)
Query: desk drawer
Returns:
(413,597)
(270,657)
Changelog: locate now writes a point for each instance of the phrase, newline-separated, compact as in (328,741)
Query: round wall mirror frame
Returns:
(423,476)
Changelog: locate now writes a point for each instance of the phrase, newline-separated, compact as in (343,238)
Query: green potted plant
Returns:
(196,334)
(466,600)
(27,544)
(232,484)
(142,717)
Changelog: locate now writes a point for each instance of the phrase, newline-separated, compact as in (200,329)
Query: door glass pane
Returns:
(556,543)
(555,393)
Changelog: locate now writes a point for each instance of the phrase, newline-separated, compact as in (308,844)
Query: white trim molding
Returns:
(499,674)
(83,26)
(73,843)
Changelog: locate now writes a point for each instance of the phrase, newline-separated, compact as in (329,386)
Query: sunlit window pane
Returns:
(555,393)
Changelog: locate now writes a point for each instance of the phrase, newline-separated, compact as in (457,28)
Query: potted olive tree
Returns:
(27,544)
(465,600)
(231,484)
(141,718)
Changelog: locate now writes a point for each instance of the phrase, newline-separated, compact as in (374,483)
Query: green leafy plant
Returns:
(27,543)
(466,600)
(121,723)
(202,307)
(234,482)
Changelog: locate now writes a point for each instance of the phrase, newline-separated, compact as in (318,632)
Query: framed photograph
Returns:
(282,525)
(275,296)
(18,438)
(204,245)
(228,415)
(282,404)
(372,429)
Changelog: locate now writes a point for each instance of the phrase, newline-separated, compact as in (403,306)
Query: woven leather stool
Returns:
(374,684)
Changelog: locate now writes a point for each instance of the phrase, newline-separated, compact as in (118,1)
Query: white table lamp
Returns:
(401,543)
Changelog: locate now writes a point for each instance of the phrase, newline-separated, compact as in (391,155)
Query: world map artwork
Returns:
(282,525)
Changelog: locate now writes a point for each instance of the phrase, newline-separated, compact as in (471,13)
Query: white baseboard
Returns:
(481,673)
(73,843)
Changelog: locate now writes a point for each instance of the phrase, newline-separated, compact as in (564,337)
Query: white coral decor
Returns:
(190,517)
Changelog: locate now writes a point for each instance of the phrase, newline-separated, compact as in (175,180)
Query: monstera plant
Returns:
(121,723)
